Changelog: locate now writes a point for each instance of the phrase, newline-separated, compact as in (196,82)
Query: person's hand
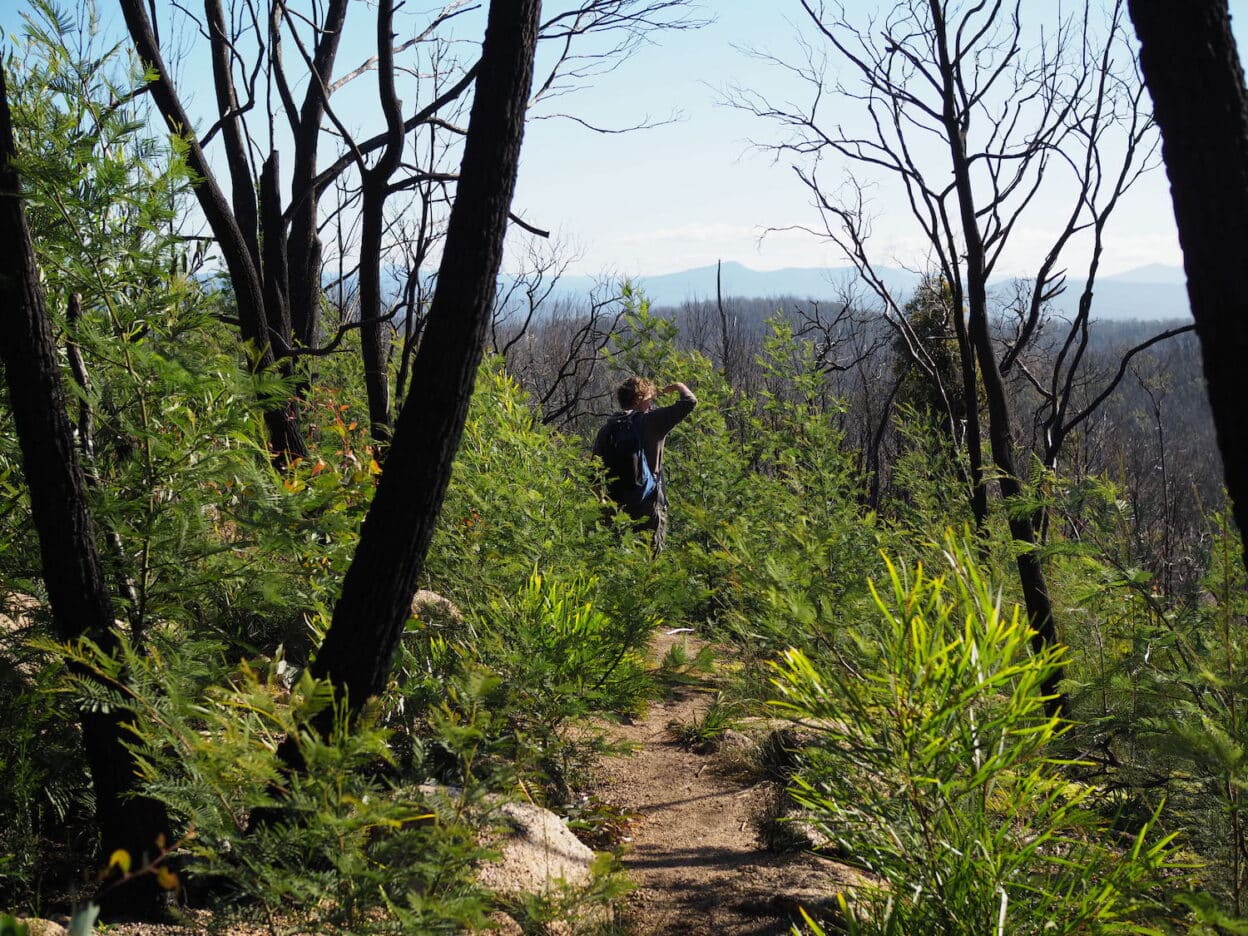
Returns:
(672,388)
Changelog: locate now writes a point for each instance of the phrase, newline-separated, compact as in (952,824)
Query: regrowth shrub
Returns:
(934,768)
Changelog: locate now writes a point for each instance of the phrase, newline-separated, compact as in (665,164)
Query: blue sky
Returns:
(687,194)
(695,190)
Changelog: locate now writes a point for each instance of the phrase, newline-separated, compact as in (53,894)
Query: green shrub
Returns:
(544,661)
(45,792)
(349,851)
(934,767)
(520,498)
(1163,690)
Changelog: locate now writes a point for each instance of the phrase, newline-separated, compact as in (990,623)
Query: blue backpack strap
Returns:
(647,479)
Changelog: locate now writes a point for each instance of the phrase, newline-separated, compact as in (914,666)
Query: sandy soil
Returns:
(695,853)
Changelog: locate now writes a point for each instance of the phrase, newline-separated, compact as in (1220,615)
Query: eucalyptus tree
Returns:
(1196,81)
(72,571)
(377,590)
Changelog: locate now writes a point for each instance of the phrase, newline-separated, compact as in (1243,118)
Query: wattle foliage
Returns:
(930,760)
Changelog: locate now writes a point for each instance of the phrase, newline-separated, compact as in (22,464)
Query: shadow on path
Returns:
(695,854)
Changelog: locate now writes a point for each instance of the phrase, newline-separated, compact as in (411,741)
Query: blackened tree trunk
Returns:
(378,588)
(972,434)
(374,333)
(236,237)
(287,440)
(1193,72)
(304,246)
(1000,429)
(273,257)
(58,494)
(242,192)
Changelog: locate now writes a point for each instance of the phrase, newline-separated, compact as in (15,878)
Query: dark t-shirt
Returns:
(655,424)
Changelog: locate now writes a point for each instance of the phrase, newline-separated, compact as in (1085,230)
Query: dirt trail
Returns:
(693,848)
(695,854)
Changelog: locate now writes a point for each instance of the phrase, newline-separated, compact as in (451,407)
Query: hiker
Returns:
(630,445)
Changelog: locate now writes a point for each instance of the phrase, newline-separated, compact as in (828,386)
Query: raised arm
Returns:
(661,420)
(678,387)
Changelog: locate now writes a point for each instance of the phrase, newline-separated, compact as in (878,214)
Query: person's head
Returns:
(635,393)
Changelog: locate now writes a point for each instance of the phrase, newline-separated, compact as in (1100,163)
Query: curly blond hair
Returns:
(633,391)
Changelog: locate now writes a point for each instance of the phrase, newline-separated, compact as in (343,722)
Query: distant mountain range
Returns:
(1150,292)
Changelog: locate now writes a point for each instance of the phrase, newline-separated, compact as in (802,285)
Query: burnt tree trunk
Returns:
(1193,72)
(237,238)
(374,333)
(1000,431)
(304,245)
(275,278)
(242,192)
(377,591)
(72,571)
(972,434)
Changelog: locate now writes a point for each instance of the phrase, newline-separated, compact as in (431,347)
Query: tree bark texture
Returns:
(72,571)
(243,193)
(304,246)
(1193,72)
(273,256)
(972,435)
(377,591)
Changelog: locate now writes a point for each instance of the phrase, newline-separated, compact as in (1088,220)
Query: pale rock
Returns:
(40,927)
(436,610)
(737,742)
(538,851)
(17,611)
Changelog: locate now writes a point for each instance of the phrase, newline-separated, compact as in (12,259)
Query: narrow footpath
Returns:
(694,849)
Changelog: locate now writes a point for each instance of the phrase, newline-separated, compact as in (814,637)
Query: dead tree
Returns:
(377,591)
(1194,75)
(847,339)
(1007,119)
(563,366)
(274,252)
(260,294)
(374,182)
(726,334)
(527,296)
(72,572)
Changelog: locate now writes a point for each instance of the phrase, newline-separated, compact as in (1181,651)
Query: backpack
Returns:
(630,482)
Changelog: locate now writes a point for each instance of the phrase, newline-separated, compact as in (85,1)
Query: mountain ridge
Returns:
(1151,292)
